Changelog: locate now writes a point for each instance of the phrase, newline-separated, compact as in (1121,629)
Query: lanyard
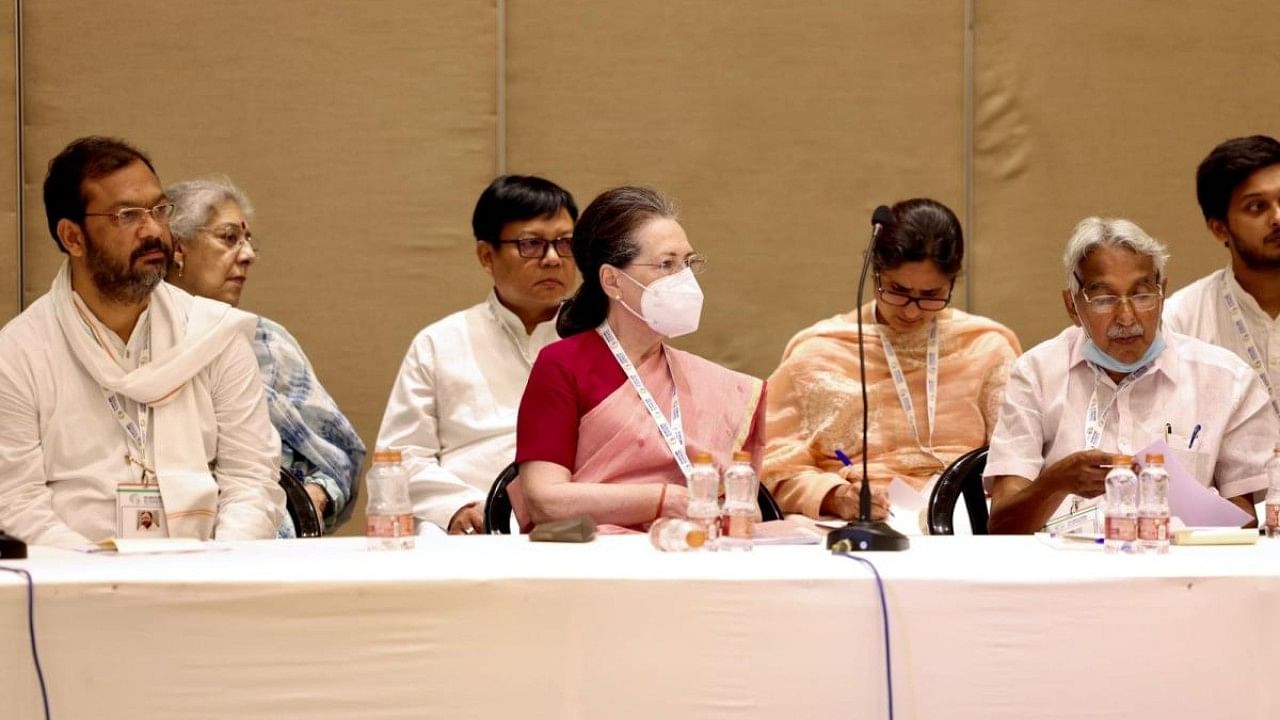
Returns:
(1094,422)
(672,432)
(930,386)
(137,433)
(1253,355)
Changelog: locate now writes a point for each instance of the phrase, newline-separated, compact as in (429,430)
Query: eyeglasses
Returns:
(232,236)
(897,299)
(671,266)
(537,247)
(133,216)
(1107,304)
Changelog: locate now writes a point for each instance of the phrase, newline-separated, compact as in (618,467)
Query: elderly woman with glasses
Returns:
(214,250)
(612,415)
(935,377)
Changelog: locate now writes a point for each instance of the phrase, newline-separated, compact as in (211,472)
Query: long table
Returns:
(499,627)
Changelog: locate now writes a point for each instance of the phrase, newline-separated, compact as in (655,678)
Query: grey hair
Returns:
(1095,232)
(195,200)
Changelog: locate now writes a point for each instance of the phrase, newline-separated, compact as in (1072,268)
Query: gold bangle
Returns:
(662,496)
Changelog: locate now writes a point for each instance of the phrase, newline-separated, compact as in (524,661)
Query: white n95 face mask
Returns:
(671,306)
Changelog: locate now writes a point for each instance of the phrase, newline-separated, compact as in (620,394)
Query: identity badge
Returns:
(140,511)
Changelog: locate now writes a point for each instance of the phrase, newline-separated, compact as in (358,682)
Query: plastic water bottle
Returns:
(1122,505)
(677,534)
(1153,506)
(740,506)
(389,523)
(1273,494)
(704,496)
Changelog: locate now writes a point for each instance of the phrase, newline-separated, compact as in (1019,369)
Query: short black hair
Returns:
(87,158)
(922,229)
(1227,166)
(513,198)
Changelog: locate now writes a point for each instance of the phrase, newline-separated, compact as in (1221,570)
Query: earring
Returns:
(180,267)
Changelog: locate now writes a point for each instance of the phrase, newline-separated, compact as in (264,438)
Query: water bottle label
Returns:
(1273,515)
(1125,529)
(389,526)
(1153,528)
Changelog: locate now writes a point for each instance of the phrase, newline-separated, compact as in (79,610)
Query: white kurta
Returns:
(452,410)
(1192,383)
(1198,310)
(62,452)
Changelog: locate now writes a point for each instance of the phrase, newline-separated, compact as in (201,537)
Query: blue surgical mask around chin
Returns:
(1095,355)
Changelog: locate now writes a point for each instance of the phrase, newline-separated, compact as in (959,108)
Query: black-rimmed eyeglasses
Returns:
(898,299)
(537,247)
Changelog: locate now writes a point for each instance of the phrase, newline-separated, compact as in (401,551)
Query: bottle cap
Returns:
(1122,460)
(695,538)
(1155,458)
(745,457)
(387,456)
(702,458)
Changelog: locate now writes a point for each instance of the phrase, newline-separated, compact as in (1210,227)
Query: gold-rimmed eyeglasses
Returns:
(133,216)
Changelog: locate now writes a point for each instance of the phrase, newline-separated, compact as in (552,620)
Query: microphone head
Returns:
(882,216)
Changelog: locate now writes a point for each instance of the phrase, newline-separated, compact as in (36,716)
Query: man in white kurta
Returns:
(1238,307)
(114,379)
(452,410)
(1114,383)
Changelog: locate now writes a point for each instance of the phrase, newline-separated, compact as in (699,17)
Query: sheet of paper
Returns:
(151,546)
(784,532)
(1194,503)
(906,507)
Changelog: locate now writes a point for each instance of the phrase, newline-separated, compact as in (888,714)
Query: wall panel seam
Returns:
(970,120)
(500,150)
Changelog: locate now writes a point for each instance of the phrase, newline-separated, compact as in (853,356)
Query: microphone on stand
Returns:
(865,533)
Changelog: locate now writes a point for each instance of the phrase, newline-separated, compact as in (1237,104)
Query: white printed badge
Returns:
(140,511)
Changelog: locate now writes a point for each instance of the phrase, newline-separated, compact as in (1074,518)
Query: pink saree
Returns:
(618,441)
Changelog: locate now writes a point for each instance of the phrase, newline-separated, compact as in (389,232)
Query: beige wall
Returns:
(8,165)
(364,131)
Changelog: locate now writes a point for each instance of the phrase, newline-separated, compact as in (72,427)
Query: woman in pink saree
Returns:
(611,413)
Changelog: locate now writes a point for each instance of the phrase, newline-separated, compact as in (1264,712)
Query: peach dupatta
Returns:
(618,441)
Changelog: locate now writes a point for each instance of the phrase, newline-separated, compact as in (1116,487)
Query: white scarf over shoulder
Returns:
(182,344)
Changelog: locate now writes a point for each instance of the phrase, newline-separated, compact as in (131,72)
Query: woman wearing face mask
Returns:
(935,377)
(587,442)
(213,252)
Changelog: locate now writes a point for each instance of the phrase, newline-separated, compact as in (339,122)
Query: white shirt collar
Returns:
(513,326)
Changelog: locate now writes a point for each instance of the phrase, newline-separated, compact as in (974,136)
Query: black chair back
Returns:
(962,477)
(769,509)
(497,506)
(301,510)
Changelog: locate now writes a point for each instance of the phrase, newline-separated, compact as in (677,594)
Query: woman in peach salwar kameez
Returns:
(815,402)
(611,414)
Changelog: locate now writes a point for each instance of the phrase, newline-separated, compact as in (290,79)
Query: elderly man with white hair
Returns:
(1114,382)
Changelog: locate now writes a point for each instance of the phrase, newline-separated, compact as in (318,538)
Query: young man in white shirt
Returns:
(121,397)
(452,410)
(1238,308)
(1113,383)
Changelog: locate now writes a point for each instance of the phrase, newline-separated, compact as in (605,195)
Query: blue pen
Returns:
(844,458)
(1194,432)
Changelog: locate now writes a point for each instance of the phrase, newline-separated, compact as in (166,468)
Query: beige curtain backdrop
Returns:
(9,260)
(363,133)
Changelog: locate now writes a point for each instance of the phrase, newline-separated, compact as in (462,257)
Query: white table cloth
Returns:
(498,627)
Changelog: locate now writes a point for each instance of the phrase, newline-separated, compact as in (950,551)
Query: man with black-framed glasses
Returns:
(123,397)
(1112,384)
(452,410)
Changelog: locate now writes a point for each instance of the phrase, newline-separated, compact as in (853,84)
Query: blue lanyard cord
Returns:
(31,630)
(884,615)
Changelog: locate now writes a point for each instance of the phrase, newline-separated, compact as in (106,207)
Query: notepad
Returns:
(1215,536)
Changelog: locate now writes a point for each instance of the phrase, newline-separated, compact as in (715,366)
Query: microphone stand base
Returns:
(866,536)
